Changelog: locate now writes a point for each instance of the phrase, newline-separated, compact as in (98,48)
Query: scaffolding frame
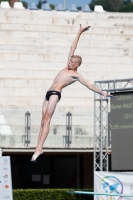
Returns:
(101,113)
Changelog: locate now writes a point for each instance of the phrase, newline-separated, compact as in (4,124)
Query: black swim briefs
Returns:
(52,92)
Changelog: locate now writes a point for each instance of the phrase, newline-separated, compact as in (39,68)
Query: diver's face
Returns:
(73,64)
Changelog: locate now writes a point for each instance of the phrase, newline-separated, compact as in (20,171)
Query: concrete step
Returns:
(32,92)
(17,122)
(65,38)
(51,141)
(44,50)
(48,24)
(82,15)
(81,118)
(61,58)
(89,76)
(37,101)
(18,30)
(55,66)
(56,18)
(33,65)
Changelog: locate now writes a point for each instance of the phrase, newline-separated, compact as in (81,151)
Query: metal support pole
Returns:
(107,137)
(101,135)
(94,159)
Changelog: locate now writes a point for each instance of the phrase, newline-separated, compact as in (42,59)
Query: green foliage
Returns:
(108,5)
(40,3)
(52,6)
(115,4)
(127,6)
(44,194)
(79,7)
(3,0)
(25,4)
(48,194)
(127,1)
(104,3)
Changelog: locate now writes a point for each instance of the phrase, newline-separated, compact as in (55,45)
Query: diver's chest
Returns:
(68,77)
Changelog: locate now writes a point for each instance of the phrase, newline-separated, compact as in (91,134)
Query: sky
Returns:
(68,2)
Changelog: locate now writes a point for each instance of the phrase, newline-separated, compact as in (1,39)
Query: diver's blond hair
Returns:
(79,59)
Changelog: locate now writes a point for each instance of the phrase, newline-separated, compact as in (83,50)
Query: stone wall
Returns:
(34,46)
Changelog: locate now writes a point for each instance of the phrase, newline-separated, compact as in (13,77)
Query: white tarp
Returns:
(4,127)
(5,179)
(113,182)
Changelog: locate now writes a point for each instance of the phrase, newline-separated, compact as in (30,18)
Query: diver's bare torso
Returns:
(64,78)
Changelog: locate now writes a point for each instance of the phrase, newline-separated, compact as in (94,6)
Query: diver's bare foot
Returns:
(36,154)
